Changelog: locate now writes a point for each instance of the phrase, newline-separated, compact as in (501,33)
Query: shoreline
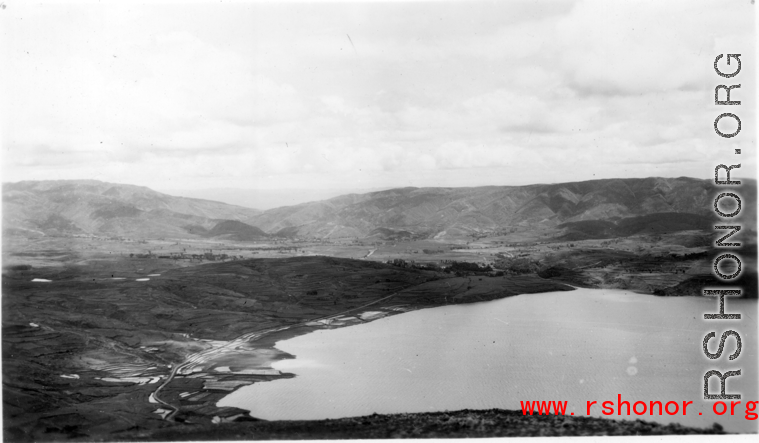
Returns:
(264,401)
(262,345)
(274,335)
(190,310)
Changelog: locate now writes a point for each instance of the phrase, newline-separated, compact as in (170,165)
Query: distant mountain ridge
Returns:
(451,212)
(577,209)
(95,207)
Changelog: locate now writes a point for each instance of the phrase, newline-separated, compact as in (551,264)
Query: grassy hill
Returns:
(87,206)
(588,209)
(657,223)
(236,230)
(593,205)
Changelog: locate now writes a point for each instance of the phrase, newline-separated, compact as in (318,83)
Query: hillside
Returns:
(235,230)
(455,212)
(658,223)
(589,209)
(94,207)
(114,333)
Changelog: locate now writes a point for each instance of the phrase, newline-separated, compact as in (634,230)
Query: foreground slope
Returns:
(466,423)
(84,351)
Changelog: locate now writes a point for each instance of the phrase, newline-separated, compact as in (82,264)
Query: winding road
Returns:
(208,354)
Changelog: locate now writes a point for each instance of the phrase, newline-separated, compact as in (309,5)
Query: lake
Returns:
(578,346)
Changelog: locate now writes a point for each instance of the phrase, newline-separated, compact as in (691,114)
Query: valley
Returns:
(109,336)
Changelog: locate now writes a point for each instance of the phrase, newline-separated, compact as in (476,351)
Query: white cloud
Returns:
(265,94)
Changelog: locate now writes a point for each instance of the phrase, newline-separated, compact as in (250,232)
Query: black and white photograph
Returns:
(309,220)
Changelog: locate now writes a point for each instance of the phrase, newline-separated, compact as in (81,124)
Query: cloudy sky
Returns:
(257,95)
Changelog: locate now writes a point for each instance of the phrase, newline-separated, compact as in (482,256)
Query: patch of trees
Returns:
(462,268)
(467,266)
(691,256)
(208,256)
(518,265)
(399,262)
(280,249)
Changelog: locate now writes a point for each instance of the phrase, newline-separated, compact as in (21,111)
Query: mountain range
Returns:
(594,208)
(95,207)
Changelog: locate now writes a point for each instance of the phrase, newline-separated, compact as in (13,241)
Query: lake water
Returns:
(582,345)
